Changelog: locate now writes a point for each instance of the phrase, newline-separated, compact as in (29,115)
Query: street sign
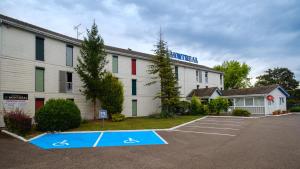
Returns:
(102,114)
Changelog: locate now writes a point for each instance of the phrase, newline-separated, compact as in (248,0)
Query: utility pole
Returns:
(77,30)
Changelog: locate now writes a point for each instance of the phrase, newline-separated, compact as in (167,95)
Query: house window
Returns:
(39,79)
(65,82)
(134,107)
(249,101)
(199,76)
(176,72)
(239,102)
(39,48)
(281,100)
(221,79)
(259,101)
(69,55)
(115,64)
(133,92)
(206,77)
(133,66)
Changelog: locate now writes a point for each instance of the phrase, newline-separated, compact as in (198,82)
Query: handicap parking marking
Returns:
(66,140)
(130,138)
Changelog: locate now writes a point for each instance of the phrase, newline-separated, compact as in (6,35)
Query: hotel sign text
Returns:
(183,57)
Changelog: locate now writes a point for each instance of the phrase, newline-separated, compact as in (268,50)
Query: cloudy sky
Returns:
(264,34)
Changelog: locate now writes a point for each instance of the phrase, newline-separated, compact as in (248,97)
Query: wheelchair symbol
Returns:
(130,141)
(62,143)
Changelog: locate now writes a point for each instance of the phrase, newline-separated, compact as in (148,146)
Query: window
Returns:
(199,76)
(133,66)
(65,82)
(176,72)
(39,103)
(133,92)
(249,101)
(281,100)
(39,48)
(259,101)
(239,102)
(206,77)
(39,79)
(221,79)
(134,107)
(115,64)
(71,99)
(69,55)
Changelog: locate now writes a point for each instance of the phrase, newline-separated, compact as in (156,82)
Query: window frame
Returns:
(133,66)
(133,87)
(115,60)
(39,39)
(35,83)
(72,47)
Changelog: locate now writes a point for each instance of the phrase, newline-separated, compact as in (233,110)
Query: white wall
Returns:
(276,93)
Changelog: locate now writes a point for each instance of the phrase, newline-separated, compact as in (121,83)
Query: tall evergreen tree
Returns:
(91,65)
(164,74)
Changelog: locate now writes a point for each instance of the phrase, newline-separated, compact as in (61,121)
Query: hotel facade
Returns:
(37,64)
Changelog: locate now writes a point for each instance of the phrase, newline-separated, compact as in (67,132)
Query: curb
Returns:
(14,135)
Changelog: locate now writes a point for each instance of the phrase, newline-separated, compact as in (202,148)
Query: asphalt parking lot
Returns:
(268,142)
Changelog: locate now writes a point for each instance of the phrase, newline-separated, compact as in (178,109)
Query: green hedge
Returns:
(241,112)
(17,122)
(117,117)
(295,109)
(58,115)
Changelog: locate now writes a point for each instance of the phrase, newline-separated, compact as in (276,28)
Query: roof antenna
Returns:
(77,30)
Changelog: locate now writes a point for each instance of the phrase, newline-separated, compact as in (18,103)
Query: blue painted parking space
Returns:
(66,140)
(131,138)
(97,139)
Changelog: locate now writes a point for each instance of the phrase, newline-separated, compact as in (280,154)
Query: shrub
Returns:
(217,105)
(117,117)
(197,107)
(58,115)
(241,112)
(183,107)
(17,122)
(295,109)
(112,95)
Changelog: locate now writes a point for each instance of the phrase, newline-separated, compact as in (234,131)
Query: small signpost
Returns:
(103,115)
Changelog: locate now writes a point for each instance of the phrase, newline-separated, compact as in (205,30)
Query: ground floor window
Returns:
(134,107)
(39,103)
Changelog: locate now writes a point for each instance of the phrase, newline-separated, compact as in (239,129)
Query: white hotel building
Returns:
(37,64)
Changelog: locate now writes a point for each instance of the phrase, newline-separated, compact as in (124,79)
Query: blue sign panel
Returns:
(66,140)
(183,57)
(103,114)
(131,138)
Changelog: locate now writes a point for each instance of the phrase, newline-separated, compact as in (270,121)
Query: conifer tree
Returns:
(162,71)
(91,65)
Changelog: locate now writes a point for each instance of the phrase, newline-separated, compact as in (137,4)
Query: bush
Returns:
(112,95)
(295,109)
(183,107)
(217,105)
(17,122)
(241,112)
(58,115)
(197,107)
(117,117)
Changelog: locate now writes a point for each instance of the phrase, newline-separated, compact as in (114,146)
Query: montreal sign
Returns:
(183,57)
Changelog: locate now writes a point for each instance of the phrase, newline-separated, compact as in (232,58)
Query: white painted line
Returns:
(38,136)
(222,121)
(219,124)
(198,132)
(77,132)
(237,117)
(160,137)
(219,128)
(97,141)
(14,135)
(173,128)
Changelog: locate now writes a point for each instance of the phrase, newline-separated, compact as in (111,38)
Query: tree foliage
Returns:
(218,104)
(197,107)
(111,95)
(91,64)
(282,76)
(162,72)
(235,74)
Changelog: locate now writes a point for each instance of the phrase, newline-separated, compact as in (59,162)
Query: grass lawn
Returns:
(129,124)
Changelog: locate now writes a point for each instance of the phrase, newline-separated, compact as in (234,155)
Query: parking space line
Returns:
(160,137)
(97,141)
(198,132)
(222,121)
(211,127)
(220,124)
